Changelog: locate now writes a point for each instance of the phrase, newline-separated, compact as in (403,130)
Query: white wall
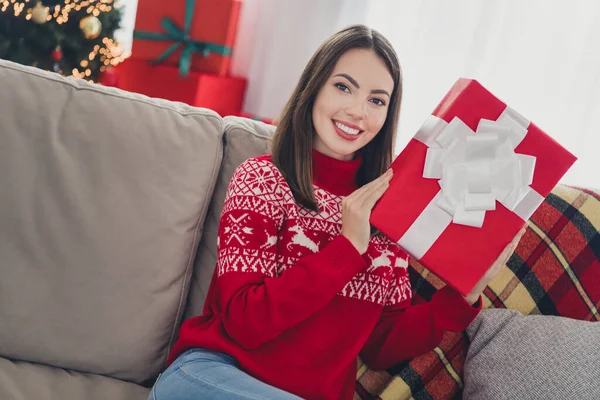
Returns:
(275,40)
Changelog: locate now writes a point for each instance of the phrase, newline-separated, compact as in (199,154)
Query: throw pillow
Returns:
(512,356)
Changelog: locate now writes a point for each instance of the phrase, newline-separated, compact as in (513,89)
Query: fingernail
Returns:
(390,172)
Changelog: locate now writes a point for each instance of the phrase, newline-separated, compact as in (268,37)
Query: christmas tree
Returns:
(70,37)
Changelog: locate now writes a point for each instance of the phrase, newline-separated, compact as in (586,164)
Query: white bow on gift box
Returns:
(477,168)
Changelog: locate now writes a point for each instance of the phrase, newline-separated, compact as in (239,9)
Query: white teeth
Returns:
(346,129)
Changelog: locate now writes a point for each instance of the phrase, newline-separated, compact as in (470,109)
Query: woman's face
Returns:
(352,105)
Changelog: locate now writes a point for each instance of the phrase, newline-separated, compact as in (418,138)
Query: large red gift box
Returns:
(223,94)
(466,183)
(212,24)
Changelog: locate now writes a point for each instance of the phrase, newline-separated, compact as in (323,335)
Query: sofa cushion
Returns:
(21,380)
(555,271)
(243,138)
(533,357)
(103,195)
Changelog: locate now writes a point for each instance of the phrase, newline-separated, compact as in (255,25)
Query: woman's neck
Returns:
(335,176)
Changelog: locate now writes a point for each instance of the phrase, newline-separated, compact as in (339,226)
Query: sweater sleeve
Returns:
(258,295)
(404,331)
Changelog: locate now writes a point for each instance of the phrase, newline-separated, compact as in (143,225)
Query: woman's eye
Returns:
(342,87)
(379,102)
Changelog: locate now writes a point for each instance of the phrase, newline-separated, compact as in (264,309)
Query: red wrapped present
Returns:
(194,34)
(223,94)
(466,183)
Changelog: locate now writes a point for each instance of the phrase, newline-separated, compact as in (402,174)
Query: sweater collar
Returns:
(335,176)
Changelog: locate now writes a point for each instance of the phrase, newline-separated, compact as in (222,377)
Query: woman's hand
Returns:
(473,296)
(356,211)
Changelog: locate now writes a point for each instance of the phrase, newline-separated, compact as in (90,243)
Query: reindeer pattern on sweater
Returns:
(269,232)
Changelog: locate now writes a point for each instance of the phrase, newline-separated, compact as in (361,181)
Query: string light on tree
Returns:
(18,8)
(39,33)
(40,14)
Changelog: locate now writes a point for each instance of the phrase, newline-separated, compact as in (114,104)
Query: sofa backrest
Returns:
(103,196)
(243,138)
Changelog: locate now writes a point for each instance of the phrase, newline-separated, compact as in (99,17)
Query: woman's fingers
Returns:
(511,247)
(362,194)
(374,195)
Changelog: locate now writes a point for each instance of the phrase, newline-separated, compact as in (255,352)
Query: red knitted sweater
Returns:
(295,303)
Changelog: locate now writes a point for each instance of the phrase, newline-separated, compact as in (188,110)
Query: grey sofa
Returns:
(109,206)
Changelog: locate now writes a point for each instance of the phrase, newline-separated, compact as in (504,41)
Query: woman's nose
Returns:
(357,111)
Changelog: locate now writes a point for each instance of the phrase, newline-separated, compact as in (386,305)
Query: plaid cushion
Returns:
(555,270)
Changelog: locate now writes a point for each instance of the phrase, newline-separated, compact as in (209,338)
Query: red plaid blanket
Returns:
(555,270)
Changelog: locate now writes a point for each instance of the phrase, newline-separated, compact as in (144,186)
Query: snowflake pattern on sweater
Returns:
(268,232)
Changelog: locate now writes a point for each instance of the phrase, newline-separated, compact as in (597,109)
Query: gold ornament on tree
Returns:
(39,13)
(91,27)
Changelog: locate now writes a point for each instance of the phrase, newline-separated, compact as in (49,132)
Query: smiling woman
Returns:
(353,82)
(302,287)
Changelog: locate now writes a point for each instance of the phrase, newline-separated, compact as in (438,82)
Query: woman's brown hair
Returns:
(293,140)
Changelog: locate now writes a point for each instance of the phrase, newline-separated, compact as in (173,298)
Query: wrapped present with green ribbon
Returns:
(194,35)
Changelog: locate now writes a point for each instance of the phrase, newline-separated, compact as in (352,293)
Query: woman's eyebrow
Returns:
(381,91)
(353,81)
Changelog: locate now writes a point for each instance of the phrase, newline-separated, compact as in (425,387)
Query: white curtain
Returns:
(124,35)
(542,57)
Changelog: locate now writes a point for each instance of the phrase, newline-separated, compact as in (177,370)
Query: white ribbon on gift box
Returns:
(474,170)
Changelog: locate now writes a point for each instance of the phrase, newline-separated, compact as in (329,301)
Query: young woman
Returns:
(302,285)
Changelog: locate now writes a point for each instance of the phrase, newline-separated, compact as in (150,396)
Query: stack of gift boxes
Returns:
(182,52)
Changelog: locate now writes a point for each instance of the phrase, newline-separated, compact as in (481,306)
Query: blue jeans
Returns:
(203,374)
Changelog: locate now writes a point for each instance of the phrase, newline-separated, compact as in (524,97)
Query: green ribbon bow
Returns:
(182,38)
